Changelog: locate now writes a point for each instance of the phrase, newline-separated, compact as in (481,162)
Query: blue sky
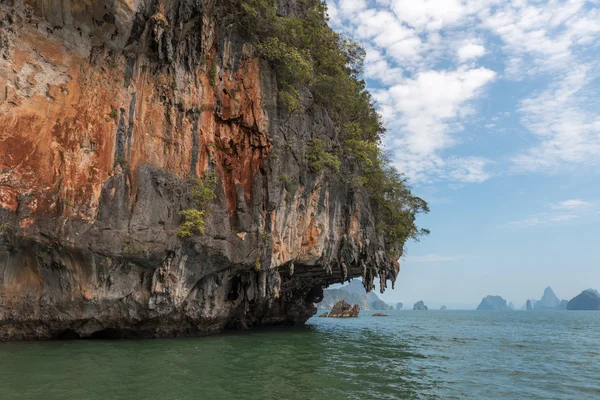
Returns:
(493,111)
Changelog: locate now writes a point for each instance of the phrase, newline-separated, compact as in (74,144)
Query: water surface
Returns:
(408,355)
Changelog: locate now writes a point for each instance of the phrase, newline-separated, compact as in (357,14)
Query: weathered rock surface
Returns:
(493,303)
(106,109)
(588,300)
(420,306)
(344,310)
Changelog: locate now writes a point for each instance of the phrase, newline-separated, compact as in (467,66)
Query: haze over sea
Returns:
(408,355)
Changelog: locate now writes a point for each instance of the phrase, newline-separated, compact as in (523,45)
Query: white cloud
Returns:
(428,109)
(469,169)
(561,212)
(350,7)
(470,51)
(426,58)
(536,34)
(570,204)
(543,219)
(434,15)
(565,122)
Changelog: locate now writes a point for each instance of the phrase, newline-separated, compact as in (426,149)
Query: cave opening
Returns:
(113,334)
(66,334)
(234,292)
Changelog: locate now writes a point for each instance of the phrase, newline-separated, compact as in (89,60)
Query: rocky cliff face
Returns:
(106,109)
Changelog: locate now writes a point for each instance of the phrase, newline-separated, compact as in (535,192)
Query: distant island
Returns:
(588,300)
(549,301)
(353,293)
(493,303)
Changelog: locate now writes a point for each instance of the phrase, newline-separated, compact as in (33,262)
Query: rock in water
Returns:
(420,306)
(379,315)
(528,305)
(116,116)
(511,305)
(493,303)
(344,310)
(399,306)
(588,300)
(549,301)
(443,308)
(324,315)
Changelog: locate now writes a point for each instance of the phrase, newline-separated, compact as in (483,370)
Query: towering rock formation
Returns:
(420,306)
(549,301)
(107,108)
(492,303)
(399,306)
(528,305)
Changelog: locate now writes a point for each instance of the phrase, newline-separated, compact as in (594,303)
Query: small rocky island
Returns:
(493,303)
(399,306)
(529,305)
(420,306)
(341,309)
(588,300)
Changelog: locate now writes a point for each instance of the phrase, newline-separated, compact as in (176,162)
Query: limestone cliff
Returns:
(107,107)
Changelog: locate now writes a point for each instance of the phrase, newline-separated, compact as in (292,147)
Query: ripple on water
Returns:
(451,355)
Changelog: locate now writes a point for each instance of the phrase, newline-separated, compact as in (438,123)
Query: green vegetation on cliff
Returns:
(307,54)
(203,192)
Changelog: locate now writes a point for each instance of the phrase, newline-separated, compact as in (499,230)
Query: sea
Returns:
(406,355)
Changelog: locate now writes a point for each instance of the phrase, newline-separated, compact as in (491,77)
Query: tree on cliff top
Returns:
(307,54)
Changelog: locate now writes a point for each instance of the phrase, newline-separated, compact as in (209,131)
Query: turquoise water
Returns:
(408,355)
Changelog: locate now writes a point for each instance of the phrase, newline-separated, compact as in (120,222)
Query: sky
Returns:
(493,112)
